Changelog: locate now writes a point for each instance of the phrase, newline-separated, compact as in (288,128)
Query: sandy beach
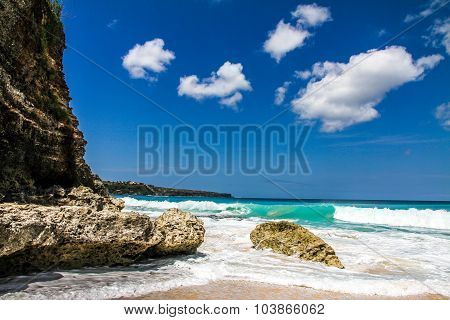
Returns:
(246,290)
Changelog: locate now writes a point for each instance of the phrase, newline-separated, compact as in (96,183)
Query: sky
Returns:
(370,77)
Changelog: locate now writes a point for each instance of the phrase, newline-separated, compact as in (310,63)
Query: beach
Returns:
(245,290)
(400,252)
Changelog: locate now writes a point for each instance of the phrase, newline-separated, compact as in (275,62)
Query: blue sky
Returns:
(377,132)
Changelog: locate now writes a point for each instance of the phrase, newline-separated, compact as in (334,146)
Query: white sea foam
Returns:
(412,217)
(208,207)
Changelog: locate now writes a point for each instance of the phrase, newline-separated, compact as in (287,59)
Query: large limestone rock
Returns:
(37,238)
(75,196)
(182,232)
(40,238)
(84,196)
(291,239)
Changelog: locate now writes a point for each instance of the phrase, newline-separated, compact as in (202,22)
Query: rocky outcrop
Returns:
(138,188)
(62,216)
(36,238)
(76,196)
(84,196)
(182,232)
(293,240)
(41,145)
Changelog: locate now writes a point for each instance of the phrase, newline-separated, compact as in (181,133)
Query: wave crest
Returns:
(198,207)
(412,217)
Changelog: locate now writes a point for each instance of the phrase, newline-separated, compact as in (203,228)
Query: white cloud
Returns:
(442,114)
(409,18)
(311,15)
(287,37)
(112,24)
(440,34)
(427,10)
(305,74)
(283,39)
(350,91)
(440,30)
(382,32)
(232,101)
(150,56)
(429,62)
(225,83)
(280,93)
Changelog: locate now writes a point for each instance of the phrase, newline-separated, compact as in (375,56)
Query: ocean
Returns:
(387,248)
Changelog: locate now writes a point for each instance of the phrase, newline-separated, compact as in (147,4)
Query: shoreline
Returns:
(249,290)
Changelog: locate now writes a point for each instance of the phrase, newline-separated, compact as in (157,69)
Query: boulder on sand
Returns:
(291,239)
(182,232)
(40,238)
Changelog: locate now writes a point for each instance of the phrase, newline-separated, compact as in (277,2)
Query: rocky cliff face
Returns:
(68,220)
(40,143)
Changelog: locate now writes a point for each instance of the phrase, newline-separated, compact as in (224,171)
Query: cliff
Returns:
(137,188)
(54,213)
(40,142)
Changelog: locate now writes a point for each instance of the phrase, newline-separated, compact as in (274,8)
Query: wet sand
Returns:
(245,290)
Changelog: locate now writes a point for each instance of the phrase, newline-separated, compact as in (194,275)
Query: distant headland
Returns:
(139,188)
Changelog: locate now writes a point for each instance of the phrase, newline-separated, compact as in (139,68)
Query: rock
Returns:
(77,196)
(36,238)
(291,239)
(183,232)
(84,196)
(40,238)
(58,192)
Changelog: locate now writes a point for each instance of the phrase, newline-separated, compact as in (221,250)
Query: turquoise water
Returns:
(419,214)
(387,248)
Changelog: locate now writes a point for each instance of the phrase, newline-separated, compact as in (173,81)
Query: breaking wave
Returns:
(407,217)
(412,217)
(249,209)
(198,207)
